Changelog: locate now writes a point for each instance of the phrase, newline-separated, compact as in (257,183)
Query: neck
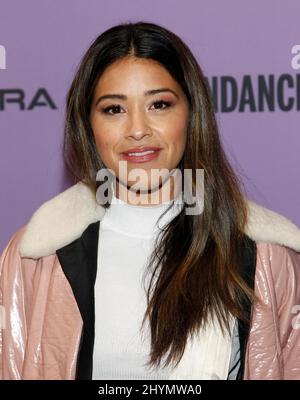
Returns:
(139,220)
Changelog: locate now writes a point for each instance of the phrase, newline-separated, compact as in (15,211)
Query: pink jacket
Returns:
(42,324)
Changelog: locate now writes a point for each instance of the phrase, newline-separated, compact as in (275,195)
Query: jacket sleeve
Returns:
(289,312)
(12,320)
(274,343)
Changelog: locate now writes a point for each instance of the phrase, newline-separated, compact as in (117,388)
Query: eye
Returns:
(114,107)
(161,102)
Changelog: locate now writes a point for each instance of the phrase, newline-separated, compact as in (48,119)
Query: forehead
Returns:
(135,73)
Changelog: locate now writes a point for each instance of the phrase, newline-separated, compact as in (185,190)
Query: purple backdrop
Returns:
(44,41)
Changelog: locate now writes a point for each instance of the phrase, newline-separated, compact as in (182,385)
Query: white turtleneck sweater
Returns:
(126,239)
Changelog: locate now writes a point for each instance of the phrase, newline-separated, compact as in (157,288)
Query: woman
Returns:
(220,301)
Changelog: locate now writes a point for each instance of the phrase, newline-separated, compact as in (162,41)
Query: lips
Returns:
(141,154)
(141,149)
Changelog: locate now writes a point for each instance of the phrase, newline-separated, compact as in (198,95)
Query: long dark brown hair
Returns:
(194,261)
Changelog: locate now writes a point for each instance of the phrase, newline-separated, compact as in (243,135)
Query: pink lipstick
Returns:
(141,154)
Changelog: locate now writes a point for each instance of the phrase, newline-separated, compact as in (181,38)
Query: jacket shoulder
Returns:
(282,263)
(60,221)
(267,226)
(12,248)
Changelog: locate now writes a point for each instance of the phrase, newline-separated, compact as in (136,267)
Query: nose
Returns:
(138,126)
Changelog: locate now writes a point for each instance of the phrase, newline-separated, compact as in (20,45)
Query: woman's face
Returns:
(124,117)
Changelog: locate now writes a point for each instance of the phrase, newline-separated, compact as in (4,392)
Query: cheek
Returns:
(100,142)
(101,134)
(178,139)
(102,138)
(103,146)
(177,128)
(105,150)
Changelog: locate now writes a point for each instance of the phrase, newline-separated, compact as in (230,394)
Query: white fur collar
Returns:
(63,218)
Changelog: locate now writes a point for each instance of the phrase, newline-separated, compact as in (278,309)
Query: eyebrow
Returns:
(124,97)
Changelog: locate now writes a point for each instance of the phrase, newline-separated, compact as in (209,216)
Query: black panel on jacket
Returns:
(79,263)
(247,263)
